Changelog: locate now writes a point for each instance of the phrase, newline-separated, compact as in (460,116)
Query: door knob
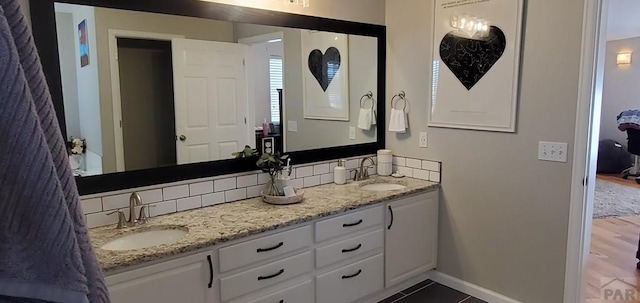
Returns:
(183,138)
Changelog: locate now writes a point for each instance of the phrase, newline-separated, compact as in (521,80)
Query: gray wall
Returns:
(106,19)
(621,89)
(503,214)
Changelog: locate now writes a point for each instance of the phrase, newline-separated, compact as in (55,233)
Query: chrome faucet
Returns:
(363,172)
(134,200)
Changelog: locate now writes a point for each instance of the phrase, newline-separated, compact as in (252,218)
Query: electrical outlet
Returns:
(552,151)
(352,133)
(423,139)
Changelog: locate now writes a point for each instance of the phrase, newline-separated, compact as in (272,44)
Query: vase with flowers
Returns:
(274,164)
(76,148)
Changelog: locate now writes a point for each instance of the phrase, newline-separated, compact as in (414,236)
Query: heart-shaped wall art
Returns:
(471,58)
(324,66)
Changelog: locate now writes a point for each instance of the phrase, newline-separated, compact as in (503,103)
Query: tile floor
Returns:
(429,291)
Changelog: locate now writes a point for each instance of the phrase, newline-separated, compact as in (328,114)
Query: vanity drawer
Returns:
(298,293)
(264,248)
(266,275)
(343,250)
(351,282)
(345,224)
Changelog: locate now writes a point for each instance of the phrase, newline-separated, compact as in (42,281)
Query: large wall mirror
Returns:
(169,92)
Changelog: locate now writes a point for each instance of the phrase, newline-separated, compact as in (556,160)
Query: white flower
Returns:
(77,150)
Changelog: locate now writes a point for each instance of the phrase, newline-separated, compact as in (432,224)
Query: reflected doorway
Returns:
(146,92)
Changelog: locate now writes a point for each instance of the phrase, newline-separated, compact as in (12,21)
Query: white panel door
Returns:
(210,99)
(411,242)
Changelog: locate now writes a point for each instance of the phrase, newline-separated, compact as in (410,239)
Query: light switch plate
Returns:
(292,126)
(552,151)
(352,133)
(423,140)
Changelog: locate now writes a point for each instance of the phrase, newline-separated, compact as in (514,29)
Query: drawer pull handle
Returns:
(354,275)
(210,271)
(271,276)
(352,224)
(270,248)
(391,213)
(351,249)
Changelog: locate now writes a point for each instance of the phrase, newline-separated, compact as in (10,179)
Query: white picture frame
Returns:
(465,93)
(330,102)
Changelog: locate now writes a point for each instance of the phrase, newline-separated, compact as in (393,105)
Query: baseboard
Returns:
(470,289)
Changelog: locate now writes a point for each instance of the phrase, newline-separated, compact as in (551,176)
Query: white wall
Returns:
(503,215)
(87,83)
(67,55)
(621,88)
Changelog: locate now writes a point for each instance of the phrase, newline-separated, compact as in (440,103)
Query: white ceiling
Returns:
(623,20)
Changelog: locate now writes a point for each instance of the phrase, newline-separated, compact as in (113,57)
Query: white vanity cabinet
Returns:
(348,257)
(411,237)
(187,279)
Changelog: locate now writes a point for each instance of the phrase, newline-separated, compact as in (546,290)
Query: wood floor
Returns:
(614,242)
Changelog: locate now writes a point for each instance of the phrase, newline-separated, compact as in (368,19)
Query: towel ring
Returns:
(399,96)
(369,96)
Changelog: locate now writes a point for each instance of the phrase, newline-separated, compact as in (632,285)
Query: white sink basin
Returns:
(383,186)
(146,238)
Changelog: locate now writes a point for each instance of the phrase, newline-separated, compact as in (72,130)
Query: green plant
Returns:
(272,164)
(245,153)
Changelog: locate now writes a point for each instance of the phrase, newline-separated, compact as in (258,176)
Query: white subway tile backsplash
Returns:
(263,178)
(434,176)
(207,192)
(353,163)
(162,208)
(212,199)
(304,171)
(407,171)
(311,181)
(101,219)
(326,178)
(321,169)
(400,161)
(201,188)
(175,192)
(248,180)
(254,191)
(151,196)
(235,195)
(297,183)
(189,203)
(430,165)
(421,174)
(414,163)
(114,202)
(224,184)
(91,205)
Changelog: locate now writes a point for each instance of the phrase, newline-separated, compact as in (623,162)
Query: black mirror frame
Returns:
(44,32)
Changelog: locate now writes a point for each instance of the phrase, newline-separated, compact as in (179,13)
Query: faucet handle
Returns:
(143,217)
(122,219)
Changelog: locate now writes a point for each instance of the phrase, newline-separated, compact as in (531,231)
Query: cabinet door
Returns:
(182,280)
(411,237)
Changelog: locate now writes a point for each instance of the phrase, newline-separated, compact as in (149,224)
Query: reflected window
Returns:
(275,83)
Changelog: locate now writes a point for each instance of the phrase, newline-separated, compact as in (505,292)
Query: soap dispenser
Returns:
(340,172)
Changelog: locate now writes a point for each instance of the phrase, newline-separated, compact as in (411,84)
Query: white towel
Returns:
(365,118)
(398,121)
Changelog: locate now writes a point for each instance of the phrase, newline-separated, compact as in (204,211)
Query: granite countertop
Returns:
(225,222)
